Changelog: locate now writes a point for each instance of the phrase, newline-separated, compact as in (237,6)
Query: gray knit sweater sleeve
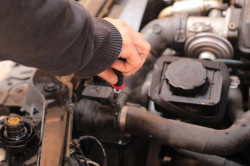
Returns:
(57,36)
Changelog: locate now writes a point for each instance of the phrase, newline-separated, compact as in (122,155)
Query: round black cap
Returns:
(186,76)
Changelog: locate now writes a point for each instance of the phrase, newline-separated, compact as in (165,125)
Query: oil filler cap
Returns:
(17,136)
(186,76)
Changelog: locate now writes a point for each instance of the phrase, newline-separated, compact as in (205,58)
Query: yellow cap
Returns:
(14,120)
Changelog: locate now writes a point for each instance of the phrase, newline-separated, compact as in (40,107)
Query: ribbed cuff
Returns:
(107,47)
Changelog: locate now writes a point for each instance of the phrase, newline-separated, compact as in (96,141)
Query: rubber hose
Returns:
(186,136)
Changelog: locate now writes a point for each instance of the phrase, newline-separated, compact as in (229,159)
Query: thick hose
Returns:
(235,104)
(91,115)
(209,160)
(187,136)
(165,33)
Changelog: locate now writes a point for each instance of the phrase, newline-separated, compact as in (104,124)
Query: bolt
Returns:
(234,82)
(51,87)
(232,26)
(157,28)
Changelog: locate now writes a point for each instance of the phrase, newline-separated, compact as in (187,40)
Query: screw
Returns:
(232,26)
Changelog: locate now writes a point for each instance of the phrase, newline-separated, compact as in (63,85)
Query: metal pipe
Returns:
(172,32)
(165,33)
(192,7)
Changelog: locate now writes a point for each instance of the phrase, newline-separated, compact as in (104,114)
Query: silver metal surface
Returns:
(133,12)
(117,91)
(122,118)
(216,25)
(199,27)
(192,7)
(207,55)
(219,46)
(234,82)
(215,13)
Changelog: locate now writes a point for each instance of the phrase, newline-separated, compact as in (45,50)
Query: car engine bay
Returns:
(187,105)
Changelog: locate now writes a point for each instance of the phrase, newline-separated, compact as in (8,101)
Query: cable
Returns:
(235,63)
(83,156)
(76,146)
(91,162)
(99,143)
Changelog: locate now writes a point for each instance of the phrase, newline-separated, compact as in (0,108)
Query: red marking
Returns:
(118,87)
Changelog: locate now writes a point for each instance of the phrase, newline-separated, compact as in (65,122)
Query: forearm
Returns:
(57,36)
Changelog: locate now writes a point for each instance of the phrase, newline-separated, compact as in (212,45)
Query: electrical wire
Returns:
(99,143)
(77,148)
(91,162)
(235,63)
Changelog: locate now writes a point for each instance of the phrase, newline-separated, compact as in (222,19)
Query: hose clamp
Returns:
(122,118)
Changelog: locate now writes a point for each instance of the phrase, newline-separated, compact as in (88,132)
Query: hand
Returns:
(134,49)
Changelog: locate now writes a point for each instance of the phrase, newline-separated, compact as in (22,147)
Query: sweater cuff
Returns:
(107,47)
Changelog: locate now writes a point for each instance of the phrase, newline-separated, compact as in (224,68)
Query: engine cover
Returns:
(191,89)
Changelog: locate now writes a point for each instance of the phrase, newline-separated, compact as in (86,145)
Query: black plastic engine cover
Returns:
(199,96)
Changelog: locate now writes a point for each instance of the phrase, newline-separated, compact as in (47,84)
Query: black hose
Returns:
(186,136)
(91,115)
(165,33)
(174,133)
(235,104)
(209,160)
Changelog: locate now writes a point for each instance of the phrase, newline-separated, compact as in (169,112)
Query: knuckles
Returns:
(127,42)
(147,47)
(121,23)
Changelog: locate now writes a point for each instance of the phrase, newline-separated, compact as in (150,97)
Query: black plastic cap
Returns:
(186,76)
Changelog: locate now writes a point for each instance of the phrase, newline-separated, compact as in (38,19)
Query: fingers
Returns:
(131,55)
(134,49)
(141,45)
(109,76)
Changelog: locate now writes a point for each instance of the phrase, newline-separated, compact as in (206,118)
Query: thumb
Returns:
(109,76)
